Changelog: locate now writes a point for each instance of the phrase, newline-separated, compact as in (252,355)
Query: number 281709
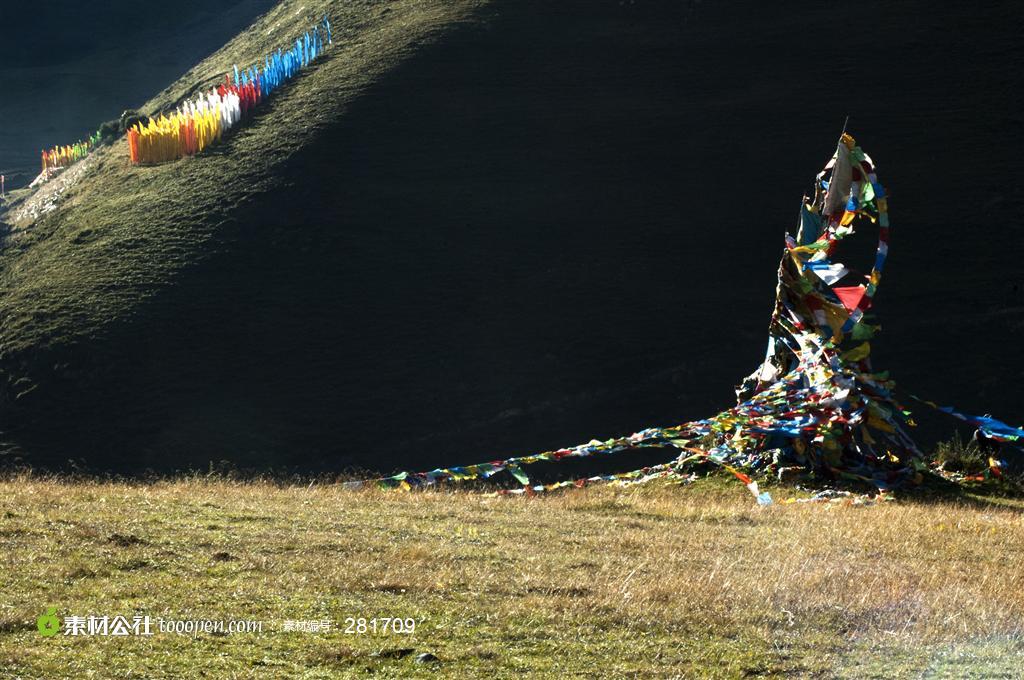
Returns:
(380,626)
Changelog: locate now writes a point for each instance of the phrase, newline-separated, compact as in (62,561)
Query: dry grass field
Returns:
(655,581)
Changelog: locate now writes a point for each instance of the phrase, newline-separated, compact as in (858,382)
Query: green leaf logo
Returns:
(48,624)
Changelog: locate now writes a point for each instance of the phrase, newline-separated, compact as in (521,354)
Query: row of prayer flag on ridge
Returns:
(63,156)
(199,122)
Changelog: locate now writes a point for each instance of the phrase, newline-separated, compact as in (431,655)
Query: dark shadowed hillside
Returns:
(484,228)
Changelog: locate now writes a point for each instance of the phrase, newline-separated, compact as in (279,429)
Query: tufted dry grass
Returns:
(647,582)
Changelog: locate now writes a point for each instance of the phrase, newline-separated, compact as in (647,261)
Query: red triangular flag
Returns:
(850,296)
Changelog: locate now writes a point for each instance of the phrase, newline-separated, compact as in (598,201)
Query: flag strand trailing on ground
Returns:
(815,405)
(199,122)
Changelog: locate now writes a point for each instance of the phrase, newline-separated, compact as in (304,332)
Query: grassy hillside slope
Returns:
(88,283)
(478,230)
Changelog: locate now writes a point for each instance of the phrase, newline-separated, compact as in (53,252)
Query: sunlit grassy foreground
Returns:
(602,582)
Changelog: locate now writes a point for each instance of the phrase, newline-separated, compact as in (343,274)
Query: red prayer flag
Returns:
(850,296)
